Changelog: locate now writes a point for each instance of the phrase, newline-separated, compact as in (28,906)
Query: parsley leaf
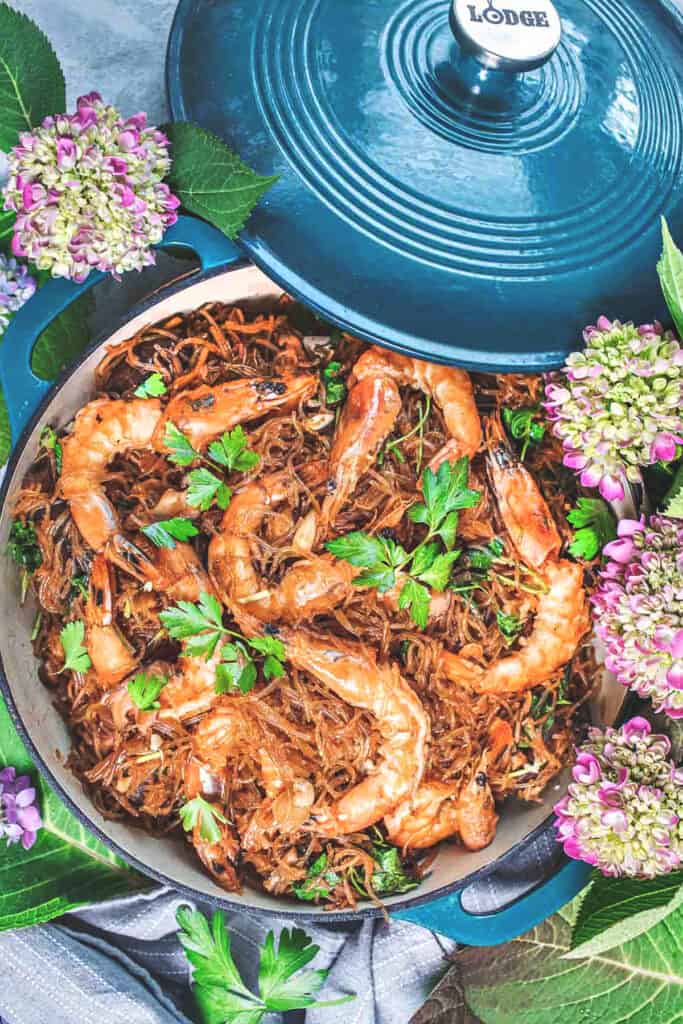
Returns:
(232,452)
(48,439)
(205,488)
(439,572)
(510,626)
(151,387)
(236,671)
(23,547)
(76,658)
(358,548)
(221,994)
(522,426)
(166,532)
(274,651)
(319,882)
(335,388)
(200,625)
(182,452)
(79,586)
(415,597)
(145,689)
(595,526)
(390,876)
(200,812)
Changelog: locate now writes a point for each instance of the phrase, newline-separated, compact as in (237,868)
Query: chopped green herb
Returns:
(390,875)
(23,547)
(595,526)
(231,451)
(199,625)
(522,426)
(236,671)
(79,586)
(151,387)
(76,658)
(182,452)
(335,388)
(145,689)
(48,439)
(165,533)
(319,882)
(274,654)
(510,626)
(395,446)
(200,812)
(205,488)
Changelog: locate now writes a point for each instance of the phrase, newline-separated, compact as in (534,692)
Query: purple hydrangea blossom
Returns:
(623,812)
(19,817)
(618,405)
(88,192)
(16,287)
(639,610)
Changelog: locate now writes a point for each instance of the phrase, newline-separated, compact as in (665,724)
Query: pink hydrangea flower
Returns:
(88,191)
(19,817)
(623,812)
(618,405)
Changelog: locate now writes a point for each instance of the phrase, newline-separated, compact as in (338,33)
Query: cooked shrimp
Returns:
(102,429)
(205,412)
(562,620)
(352,672)
(111,656)
(192,688)
(440,810)
(523,508)
(219,858)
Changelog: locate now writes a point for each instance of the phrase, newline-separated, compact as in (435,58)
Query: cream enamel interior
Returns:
(173,857)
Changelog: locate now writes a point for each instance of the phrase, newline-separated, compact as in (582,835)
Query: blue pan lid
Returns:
(469,181)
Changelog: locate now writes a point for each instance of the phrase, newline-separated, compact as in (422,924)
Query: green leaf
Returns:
(200,812)
(423,557)
(182,452)
(49,440)
(595,524)
(616,910)
(210,180)
(390,876)
(509,625)
(358,548)
(66,868)
(673,499)
(382,579)
(76,658)
(205,488)
(208,950)
(439,573)
(335,388)
(63,339)
(5,431)
(23,547)
(199,625)
(145,689)
(670,270)
(639,982)
(166,532)
(151,387)
(31,80)
(232,452)
(236,671)
(415,597)
(522,426)
(319,882)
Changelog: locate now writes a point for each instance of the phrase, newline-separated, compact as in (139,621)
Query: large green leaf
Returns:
(670,270)
(5,431)
(7,219)
(31,80)
(639,982)
(210,180)
(63,339)
(66,868)
(446,1004)
(616,910)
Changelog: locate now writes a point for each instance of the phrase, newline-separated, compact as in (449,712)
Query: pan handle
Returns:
(448,916)
(23,390)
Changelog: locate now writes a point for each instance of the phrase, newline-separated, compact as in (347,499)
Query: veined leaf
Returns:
(639,982)
(670,270)
(66,868)
(211,180)
(616,910)
(31,80)
(63,339)
(5,431)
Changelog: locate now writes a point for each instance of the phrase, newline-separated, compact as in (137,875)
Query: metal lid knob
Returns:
(507,35)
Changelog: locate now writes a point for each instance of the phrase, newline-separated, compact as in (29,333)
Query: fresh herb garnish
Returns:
(223,997)
(182,452)
(335,388)
(200,812)
(510,626)
(395,446)
(145,689)
(79,587)
(49,440)
(23,548)
(319,882)
(200,627)
(76,658)
(595,526)
(151,387)
(205,488)
(166,532)
(445,493)
(231,451)
(390,876)
(522,426)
